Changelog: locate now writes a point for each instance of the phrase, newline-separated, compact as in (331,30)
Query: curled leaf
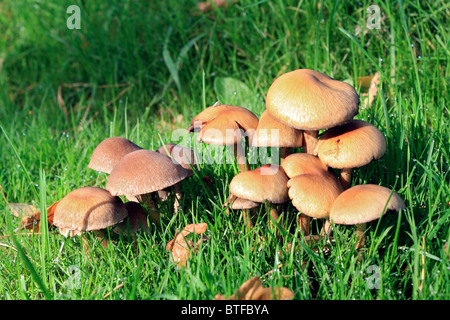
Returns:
(181,246)
(32,221)
(253,289)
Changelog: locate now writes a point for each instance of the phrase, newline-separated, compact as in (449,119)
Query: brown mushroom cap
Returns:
(301,163)
(309,100)
(222,124)
(314,194)
(284,136)
(182,155)
(144,171)
(88,208)
(266,183)
(351,145)
(364,203)
(109,152)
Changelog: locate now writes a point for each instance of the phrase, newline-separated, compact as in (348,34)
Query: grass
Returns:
(143,70)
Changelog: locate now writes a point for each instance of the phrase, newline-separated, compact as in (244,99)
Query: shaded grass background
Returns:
(135,67)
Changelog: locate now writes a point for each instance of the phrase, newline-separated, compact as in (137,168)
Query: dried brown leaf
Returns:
(180,247)
(253,289)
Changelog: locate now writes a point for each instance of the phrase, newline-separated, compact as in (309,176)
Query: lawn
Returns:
(143,69)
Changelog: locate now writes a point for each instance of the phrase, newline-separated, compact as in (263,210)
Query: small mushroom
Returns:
(361,204)
(313,195)
(109,152)
(142,172)
(272,133)
(351,145)
(267,183)
(298,164)
(88,209)
(225,125)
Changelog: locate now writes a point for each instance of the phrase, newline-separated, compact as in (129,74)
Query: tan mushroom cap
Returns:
(222,124)
(309,100)
(351,145)
(273,133)
(144,171)
(364,203)
(182,155)
(314,194)
(266,183)
(109,152)
(240,204)
(88,208)
(302,163)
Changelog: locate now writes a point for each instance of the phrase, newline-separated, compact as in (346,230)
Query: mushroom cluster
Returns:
(141,176)
(309,119)
(309,110)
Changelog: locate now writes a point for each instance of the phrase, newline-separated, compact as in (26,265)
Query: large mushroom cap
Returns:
(109,152)
(223,124)
(309,100)
(88,208)
(364,203)
(266,183)
(314,194)
(182,155)
(273,133)
(301,163)
(351,145)
(144,171)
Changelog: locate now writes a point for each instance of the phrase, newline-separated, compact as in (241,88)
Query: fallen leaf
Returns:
(374,82)
(22,209)
(32,221)
(181,247)
(253,289)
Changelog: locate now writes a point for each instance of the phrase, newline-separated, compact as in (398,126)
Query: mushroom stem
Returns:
(284,152)
(303,222)
(239,154)
(346,178)
(101,236)
(273,215)
(360,235)
(326,228)
(247,217)
(147,200)
(178,193)
(310,139)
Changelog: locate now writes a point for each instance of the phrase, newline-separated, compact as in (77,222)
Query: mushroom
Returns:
(302,163)
(313,195)
(311,101)
(272,133)
(88,209)
(142,172)
(361,204)
(351,145)
(225,125)
(267,183)
(109,152)
(183,156)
